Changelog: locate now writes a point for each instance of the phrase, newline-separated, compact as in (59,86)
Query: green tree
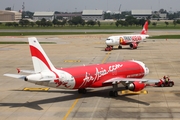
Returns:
(15,24)
(130,20)
(32,24)
(43,22)
(154,24)
(55,21)
(83,23)
(64,22)
(174,22)
(38,23)
(91,22)
(141,22)
(21,22)
(76,21)
(8,24)
(99,23)
(48,23)
(117,23)
(70,22)
(167,23)
(26,22)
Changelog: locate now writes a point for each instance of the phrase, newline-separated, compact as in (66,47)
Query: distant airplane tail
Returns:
(145,28)
(40,60)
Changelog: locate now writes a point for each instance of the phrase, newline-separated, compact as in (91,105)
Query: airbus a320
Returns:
(129,73)
(131,40)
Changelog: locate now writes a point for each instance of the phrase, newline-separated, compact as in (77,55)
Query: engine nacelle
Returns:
(136,86)
(33,77)
(133,45)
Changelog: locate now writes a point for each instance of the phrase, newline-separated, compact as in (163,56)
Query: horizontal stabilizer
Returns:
(15,76)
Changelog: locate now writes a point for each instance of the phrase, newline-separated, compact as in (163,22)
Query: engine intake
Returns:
(133,45)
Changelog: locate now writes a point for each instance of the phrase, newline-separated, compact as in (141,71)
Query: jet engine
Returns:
(136,86)
(133,45)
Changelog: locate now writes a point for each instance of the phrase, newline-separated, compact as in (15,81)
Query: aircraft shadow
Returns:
(71,95)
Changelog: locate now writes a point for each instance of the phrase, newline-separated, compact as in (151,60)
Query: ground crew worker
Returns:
(166,79)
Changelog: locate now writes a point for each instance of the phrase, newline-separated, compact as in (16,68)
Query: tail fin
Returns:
(40,60)
(145,28)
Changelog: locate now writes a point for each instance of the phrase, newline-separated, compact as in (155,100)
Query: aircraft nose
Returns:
(146,70)
(108,42)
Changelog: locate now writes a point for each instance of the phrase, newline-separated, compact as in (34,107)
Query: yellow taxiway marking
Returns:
(131,92)
(75,102)
(107,55)
(71,108)
(72,61)
(36,89)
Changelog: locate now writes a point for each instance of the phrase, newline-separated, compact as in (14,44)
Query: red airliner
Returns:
(129,73)
(131,40)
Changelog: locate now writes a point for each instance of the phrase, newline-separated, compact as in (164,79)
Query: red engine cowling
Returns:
(136,86)
(133,45)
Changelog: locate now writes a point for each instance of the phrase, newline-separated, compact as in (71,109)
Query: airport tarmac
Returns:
(162,57)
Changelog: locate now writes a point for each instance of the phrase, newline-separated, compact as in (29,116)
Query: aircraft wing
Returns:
(15,76)
(129,80)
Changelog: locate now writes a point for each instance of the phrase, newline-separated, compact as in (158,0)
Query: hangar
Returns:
(47,15)
(68,15)
(140,14)
(10,16)
(93,15)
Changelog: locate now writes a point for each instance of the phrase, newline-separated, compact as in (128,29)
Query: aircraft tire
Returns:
(113,93)
(119,47)
(110,93)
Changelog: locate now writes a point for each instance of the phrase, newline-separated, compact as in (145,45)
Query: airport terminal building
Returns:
(10,16)
(140,14)
(47,15)
(93,15)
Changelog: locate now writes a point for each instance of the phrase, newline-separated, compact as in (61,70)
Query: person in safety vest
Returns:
(166,79)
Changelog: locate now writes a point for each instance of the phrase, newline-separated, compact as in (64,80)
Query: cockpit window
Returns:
(109,39)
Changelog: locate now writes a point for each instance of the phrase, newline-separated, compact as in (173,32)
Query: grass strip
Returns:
(54,33)
(165,37)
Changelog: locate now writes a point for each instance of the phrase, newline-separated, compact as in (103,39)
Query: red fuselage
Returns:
(95,75)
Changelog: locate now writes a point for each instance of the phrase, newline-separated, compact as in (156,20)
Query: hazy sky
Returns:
(79,5)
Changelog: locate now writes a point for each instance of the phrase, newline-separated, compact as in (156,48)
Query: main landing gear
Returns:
(109,48)
(82,91)
(114,92)
(119,47)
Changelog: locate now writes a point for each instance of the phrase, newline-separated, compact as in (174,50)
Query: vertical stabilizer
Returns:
(145,28)
(40,60)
